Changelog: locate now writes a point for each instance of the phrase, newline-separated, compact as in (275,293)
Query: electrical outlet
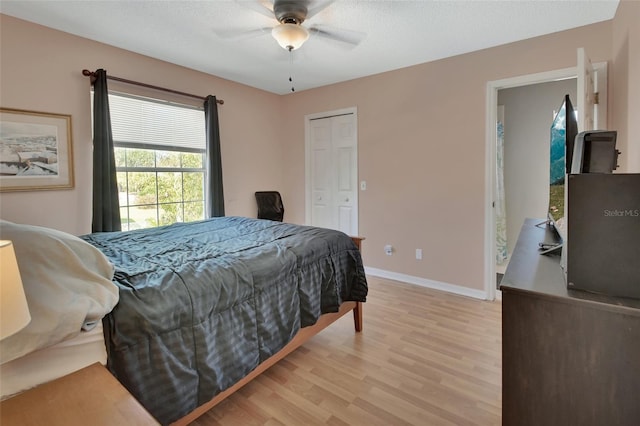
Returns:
(418,254)
(388,249)
(363,185)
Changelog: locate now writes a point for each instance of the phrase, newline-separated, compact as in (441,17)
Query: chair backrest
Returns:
(270,205)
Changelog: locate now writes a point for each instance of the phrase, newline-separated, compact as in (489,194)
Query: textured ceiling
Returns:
(196,34)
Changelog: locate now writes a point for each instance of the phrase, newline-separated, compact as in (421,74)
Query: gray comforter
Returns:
(202,304)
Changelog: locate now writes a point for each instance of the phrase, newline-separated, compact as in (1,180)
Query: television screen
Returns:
(571,126)
(564,129)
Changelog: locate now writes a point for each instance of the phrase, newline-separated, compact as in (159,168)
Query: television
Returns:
(563,132)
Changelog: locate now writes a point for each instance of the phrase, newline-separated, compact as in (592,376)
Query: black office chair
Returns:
(270,205)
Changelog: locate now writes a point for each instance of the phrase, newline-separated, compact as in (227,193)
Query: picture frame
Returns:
(36,151)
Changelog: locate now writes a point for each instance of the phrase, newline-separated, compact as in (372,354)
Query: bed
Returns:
(206,306)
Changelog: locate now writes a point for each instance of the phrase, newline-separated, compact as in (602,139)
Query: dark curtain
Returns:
(214,193)
(106,208)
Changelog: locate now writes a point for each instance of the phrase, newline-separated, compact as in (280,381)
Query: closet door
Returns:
(333,162)
(321,174)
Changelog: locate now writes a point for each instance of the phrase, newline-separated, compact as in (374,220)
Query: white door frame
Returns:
(490,152)
(307,159)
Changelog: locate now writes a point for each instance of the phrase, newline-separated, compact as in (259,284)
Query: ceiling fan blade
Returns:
(242,34)
(315,7)
(349,38)
(263,7)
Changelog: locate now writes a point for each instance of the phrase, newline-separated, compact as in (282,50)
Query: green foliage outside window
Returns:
(159,187)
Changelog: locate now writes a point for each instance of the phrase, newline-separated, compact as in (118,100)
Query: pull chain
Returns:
(291,68)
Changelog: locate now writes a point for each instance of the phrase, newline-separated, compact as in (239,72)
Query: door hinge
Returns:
(596,98)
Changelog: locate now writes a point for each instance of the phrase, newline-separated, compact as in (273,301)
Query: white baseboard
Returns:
(423,282)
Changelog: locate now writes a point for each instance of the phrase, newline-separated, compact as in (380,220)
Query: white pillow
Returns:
(67,282)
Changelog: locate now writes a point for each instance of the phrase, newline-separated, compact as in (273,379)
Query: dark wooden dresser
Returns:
(568,357)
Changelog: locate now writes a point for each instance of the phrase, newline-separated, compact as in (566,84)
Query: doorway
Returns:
(493,87)
(528,113)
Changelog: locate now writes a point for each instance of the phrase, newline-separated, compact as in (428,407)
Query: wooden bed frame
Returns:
(299,339)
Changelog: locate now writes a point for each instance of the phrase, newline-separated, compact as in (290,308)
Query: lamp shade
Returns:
(14,311)
(290,36)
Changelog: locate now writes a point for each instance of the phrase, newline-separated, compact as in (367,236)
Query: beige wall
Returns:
(41,71)
(421,134)
(422,151)
(626,81)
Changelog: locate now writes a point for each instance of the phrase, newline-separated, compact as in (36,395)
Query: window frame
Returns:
(125,220)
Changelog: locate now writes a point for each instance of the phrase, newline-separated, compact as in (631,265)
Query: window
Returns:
(160,151)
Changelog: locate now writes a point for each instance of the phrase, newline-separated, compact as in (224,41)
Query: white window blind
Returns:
(145,121)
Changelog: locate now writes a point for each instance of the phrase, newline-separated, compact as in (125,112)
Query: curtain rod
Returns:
(148,86)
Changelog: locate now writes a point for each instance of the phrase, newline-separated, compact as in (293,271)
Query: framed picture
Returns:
(35,151)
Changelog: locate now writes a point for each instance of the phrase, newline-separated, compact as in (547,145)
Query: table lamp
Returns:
(14,311)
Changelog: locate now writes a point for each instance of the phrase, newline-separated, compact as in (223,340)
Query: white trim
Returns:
(307,170)
(489,182)
(326,114)
(541,77)
(307,161)
(423,282)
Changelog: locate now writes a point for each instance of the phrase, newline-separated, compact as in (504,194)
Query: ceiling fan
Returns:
(289,31)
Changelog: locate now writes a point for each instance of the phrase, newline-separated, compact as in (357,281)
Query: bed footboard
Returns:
(357,310)
(357,316)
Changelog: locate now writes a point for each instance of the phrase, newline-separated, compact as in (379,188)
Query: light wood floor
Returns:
(424,358)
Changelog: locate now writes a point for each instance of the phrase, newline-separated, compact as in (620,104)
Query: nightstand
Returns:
(88,396)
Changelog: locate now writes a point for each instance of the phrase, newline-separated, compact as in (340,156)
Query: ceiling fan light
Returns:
(290,36)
